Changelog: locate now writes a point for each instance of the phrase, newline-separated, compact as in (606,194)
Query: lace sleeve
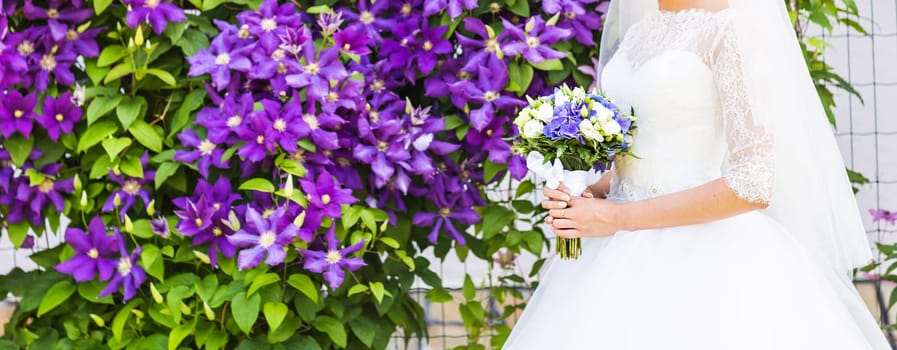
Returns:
(750,170)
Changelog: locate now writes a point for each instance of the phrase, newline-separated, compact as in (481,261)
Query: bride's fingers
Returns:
(554,205)
(556,194)
(558,213)
(568,233)
(563,224)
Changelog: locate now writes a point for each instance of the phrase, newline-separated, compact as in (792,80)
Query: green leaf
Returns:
(57,294)
(101,105)
(100,5)
(165,171)
(245,310)
(333,328)
(95,133)
(495,219)
(453,122)
(550,65)
(378,290)
(263,280)
(177,335)
(491,169)
(520,8)
(257,184)
(132,167)
(192,102)
(17,232)
(96,74)
(439,295)
(130,110)
(111,54)
(19,148)
(192,41)
(275,313)
(114,146)
(468,290)
(304,284)
(121,318)
(120,70)
(358,288)
(389,241)
(147,136)
(364,329)
(162,75)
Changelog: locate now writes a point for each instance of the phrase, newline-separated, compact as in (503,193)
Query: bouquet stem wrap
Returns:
(576,175)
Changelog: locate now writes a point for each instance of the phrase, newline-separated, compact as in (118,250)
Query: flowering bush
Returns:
(237,172)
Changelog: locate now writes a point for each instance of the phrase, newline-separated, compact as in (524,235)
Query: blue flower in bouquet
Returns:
(562,128)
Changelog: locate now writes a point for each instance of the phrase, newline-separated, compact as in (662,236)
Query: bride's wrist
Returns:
(623,217)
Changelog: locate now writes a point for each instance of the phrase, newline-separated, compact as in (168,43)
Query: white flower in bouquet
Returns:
(603,113)
(523,117)
(611,127)
(545,112)
(561,99)
(588,130)
(533,129)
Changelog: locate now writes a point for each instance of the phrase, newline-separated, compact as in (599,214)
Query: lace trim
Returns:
(710,36)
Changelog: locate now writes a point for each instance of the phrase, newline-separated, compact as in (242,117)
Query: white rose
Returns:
(588,130)
(545,113)
(523,117)
(533,129)
(560,99)
(604,114)
(611,127)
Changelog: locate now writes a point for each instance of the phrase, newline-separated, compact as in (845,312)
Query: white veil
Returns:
(812,197)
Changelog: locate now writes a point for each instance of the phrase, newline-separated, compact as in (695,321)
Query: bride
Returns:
(734,227)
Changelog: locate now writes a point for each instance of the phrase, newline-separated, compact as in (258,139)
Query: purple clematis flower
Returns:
(372,16)
(155,12)
(131,188)
(317,72)
(259,133)
(160,227)
(82,43)
(12,64)
(59,115)
(487,91)
(485,49)
(92,250)
(128,276)
(581,22)
(883,215)
(195,218)
(432,47)
(270,22)
(224,121)
(222,56)
(17,113)
(326,195)
(447,208)
(57,15)
(207,152)
(218,199)
(534,40)
(455,7)
(305,124)
(49,190)
(264,235)
(58,64)
(352,40)
(333,261)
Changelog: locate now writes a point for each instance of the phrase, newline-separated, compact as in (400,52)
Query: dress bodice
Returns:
(680,74)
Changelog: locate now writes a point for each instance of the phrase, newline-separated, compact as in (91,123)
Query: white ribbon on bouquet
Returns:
(576,181)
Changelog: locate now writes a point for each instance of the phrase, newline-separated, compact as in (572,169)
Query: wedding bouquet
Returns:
(571,136)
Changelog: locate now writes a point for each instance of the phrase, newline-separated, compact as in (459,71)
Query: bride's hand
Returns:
(586,216)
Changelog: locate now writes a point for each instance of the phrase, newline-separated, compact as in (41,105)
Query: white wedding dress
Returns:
(737,283)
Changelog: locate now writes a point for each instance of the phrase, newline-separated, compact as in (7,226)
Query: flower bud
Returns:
(129,225)
(76,183)
(288,188)
(139,313)
(98,320)
(210,314)
(151,208)
(202,257)
(138,36)
(117,200)
(83,201)
(185,309)
(157,297)
(530,25)
(299,220)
